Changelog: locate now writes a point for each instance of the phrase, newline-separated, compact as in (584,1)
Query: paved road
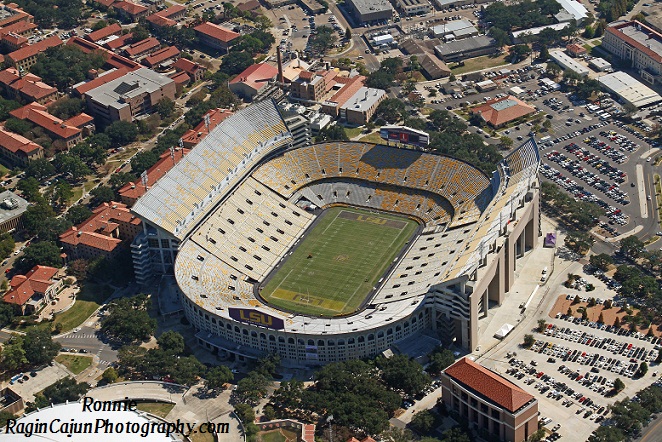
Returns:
(88,339)
(653,432)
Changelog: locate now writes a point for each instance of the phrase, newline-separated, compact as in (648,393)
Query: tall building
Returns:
(639,44)
(129,96)
(489,402)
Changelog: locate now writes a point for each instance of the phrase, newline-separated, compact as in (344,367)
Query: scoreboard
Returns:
(405,135)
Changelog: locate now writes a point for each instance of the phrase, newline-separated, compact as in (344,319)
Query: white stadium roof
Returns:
(57,415)
(200,180)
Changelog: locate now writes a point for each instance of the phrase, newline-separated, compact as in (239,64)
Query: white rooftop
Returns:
(363,99)
(629,89)
(132,84)
(574,8)
(567,62)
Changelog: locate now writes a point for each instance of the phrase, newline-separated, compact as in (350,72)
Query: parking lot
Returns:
(34,382)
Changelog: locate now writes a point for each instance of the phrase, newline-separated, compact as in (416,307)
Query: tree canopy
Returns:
(66,65)
(127,319)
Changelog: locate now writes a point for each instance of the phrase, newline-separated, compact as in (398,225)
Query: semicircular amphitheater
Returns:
(336,250)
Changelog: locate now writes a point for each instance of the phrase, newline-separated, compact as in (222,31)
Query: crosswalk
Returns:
(79,336)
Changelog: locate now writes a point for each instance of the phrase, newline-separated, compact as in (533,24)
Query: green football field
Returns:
(338,262)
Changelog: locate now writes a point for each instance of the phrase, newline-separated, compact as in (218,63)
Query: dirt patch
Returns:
(593,313)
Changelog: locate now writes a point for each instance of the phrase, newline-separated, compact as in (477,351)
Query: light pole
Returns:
(329,420)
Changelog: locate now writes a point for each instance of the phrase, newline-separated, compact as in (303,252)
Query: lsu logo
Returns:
(257,318)
(372,220)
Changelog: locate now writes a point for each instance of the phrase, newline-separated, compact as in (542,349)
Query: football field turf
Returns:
(338,262)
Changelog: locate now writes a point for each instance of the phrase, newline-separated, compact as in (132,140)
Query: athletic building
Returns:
(228,237)
(489,402)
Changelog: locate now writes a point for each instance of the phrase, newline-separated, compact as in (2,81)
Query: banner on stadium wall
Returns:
(254,317)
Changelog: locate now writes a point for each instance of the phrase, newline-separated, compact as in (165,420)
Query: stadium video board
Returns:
(405,135)
(254,317)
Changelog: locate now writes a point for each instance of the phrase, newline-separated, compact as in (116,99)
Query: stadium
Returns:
(336,250)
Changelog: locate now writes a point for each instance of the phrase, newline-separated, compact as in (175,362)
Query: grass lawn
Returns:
(372,138)
(76,315)
(280,435)
(353,131)
(160,409)
(479,63)
(338,262)
(75,364)
(94,292)
(3,170)
(426,110)
(201,437)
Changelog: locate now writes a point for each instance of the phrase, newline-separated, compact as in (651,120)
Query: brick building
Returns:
(489,402)
(110,229)
(215,36)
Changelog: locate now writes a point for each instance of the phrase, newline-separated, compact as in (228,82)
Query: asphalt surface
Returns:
(89,339)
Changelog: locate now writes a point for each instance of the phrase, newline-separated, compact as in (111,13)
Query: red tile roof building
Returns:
(80,88)
(118,42)
(35,289)
(142,48)
(195,71)
(167,17)
(130,11)
(16,15)
(488,401)
(111,228)
(17,149)
(181,79)
(63,133)
(575,50)
(130,192)
(114,29)
(215,36)
(193,136)
(501,111)
(28,88)
(112,59)
(350,86)
(253,80)
(167,54)
(25,57)
(638,44)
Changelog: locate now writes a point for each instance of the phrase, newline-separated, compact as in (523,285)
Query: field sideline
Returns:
(338,262)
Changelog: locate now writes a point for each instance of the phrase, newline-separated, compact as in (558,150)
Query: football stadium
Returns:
(336,250)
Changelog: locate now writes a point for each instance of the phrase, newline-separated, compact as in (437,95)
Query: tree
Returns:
(390,110)
(332,132)
(592,302)
(537,436)
(69,164)
(601,318)
(617,322)
(584,315)
(77,214)
(253,387)
(643,369)
(268,365)
(127,319)
(61,193)
(423,422)
(66,108)
(235,63)
(110,375)
(452,77)
(4,417)
(589,32)
(165,107)
(39,169)
(601,261)
(22,127)
(607,434)
(542,325)
(171,342)
(13,354)
(269,412)
(143,161)
(6,314)
(39,346)
(579,242)
(45,253)
(456,435)
(502,38)
(569,312)
(505,142)
(632,246)
(66,65)
(186,370)
(440,359)
(618,385)
(217,377)
(323,40)
(403,374)
(64,390)
(121,132)
(102,194)
(139,33)
(544,54)
(7,246)
(348,34)
(99,25)
(529,340)
(519,52)
(245,413)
